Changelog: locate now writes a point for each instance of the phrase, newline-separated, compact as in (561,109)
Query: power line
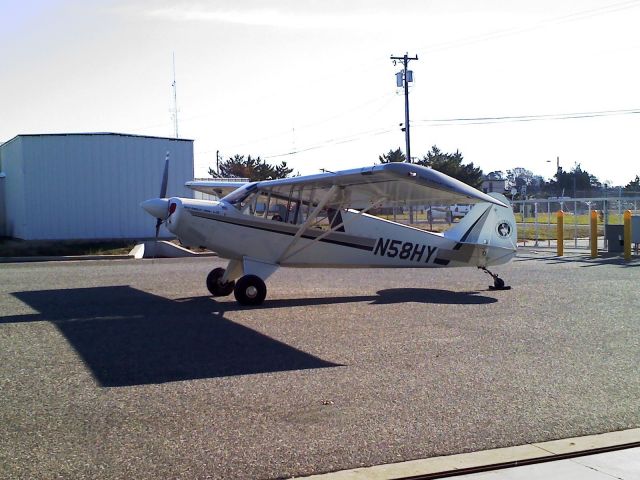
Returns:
(335,141)
(497,34)
(314,123)
(388,97)
(524,118)
(457,122)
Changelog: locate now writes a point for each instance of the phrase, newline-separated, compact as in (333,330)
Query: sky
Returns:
(311,82)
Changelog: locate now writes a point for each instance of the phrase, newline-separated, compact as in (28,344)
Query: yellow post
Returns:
(627,235)
(594,233)
(560,232)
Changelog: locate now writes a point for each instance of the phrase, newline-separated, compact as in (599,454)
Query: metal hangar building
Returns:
(87,185)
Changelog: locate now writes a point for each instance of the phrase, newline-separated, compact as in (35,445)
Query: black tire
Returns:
(250,290)
(498,283)
(215,286)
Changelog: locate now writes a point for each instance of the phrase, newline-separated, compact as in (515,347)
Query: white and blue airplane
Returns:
(322,221)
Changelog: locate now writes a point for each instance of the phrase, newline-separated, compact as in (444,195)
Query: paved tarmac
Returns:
(117,369)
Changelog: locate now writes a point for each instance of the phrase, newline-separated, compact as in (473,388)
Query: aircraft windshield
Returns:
(240,195)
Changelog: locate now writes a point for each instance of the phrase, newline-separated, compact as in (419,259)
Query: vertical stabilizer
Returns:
(491,226)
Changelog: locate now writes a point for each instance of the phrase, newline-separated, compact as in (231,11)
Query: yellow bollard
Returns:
(594,233)
(627,235)
(560,232)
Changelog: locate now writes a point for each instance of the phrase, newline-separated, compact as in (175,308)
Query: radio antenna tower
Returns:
(175,98)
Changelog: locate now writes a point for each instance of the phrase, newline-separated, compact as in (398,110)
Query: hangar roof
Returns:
(94,133)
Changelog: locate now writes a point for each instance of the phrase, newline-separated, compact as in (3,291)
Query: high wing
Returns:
(388,184)
(219,188)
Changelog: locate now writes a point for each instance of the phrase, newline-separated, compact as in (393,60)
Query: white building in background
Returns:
(87,185)
(494,183)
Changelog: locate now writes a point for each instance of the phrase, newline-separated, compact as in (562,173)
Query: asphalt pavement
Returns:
(112,369)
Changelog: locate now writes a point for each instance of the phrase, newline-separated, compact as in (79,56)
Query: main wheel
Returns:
(250,290)
(215,285)
(498,283)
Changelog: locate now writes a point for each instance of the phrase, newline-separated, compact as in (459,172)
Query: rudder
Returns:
(490,225)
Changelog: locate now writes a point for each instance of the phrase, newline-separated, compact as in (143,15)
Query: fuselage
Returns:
(361,241)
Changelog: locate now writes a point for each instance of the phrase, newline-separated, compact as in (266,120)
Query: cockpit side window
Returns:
(290,208)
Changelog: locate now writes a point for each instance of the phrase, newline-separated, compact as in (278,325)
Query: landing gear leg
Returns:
(498,283)
(215,284)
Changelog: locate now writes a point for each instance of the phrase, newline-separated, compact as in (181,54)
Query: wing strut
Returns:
(284,256)
(310,219)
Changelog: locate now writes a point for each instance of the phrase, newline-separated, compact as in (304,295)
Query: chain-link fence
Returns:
(537,219)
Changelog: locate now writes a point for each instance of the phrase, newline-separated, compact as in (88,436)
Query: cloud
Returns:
(271,17)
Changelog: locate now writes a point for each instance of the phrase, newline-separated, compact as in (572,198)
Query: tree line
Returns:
(576,182)
(448,163)
(253,168)
(256,169)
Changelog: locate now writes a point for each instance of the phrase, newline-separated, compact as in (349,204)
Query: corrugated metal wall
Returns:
(14,196)
(90,186)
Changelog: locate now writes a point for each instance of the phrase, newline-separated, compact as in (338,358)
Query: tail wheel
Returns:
(498,283)
(215,285)
(250,290)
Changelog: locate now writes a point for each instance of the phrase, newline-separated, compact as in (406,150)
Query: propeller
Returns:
(163,191)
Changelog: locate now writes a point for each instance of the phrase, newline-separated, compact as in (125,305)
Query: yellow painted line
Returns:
(485,458)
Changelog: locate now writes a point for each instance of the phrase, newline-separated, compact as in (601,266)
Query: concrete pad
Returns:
(160,249)
(434,465)
(590,442)
(624,464)
(563,469)
(500,456)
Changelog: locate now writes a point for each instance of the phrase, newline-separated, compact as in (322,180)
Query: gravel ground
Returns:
(127,369)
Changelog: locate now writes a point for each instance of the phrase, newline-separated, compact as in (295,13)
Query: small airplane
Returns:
(322,221)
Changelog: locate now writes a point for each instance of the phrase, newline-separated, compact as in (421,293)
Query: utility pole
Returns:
(218,163)
(403,78)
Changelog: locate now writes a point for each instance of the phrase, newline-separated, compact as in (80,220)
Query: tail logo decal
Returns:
(504,229)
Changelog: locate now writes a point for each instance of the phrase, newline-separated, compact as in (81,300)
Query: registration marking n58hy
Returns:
(403,250)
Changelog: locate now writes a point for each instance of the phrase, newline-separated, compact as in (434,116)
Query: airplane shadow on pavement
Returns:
(383,297)
(130,337)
